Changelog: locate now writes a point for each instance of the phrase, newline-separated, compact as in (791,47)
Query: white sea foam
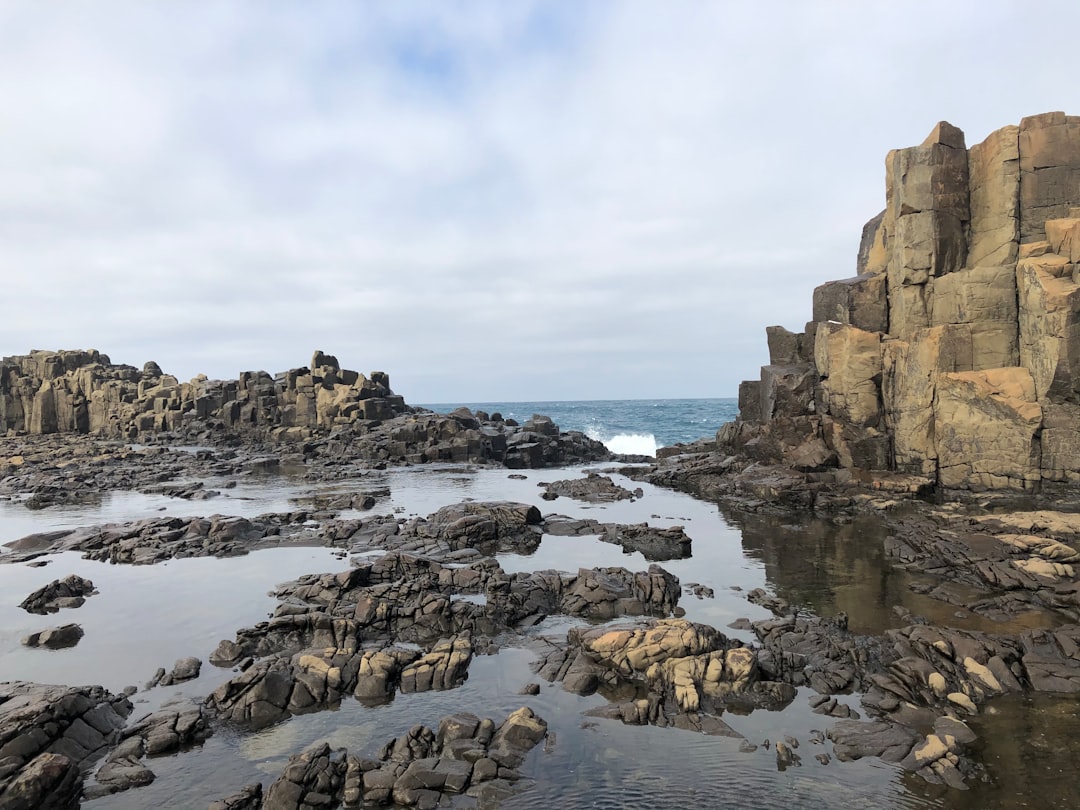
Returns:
(634,444)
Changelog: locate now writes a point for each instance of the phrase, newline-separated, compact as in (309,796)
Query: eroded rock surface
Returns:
(49,737)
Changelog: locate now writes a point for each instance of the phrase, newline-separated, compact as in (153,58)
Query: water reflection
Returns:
(827,567)
(147,617)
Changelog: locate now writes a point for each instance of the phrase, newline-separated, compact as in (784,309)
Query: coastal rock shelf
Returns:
(329,412)
(954,353)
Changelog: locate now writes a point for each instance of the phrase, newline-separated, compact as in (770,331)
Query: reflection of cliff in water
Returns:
(826,567)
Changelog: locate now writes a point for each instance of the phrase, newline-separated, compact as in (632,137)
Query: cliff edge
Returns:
(954,353)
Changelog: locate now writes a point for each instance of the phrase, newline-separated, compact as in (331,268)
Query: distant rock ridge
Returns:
(954,353)
(334,413)
(84,392)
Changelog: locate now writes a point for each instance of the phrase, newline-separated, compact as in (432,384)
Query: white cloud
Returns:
(513,200)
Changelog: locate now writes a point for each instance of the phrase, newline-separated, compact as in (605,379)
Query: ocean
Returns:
(633,426)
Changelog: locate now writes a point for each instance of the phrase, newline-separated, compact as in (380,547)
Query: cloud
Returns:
(489,201)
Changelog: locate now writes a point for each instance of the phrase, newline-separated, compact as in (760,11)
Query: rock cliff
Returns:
(333,414)
(84,392)
(954,353)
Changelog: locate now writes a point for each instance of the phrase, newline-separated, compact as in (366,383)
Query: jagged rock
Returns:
(49,735)
(593,488)
(185,669)
(339,414)
(955,353)
(416,769)
(69,592)
(250,797)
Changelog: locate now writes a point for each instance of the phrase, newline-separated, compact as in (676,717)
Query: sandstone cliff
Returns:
(330,413)
(84,392)
(954,353)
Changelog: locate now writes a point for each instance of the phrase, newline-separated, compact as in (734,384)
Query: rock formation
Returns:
(84,392)
(954,353)
(335,414)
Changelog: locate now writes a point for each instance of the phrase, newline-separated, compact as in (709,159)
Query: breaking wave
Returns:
(631,444)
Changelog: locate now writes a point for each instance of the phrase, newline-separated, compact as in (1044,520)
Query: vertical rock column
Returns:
(925,217)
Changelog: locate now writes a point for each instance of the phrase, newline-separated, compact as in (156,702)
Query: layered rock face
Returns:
(336,414)
(84,392)
(954,354)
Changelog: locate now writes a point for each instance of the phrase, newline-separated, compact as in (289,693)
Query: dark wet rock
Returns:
(593,488)
(69,592)
(486,528)
(816,652)
(249,797)
(786,757)
(412,598)
(55,638)
(890,742)
(185,669)
(699,590)
(671,543)
(311,779)
(314,679)
(417,769)
(46,782)
(823,704)
(154,540)
(170,729)
(49,736)
(191,491)
(652,711)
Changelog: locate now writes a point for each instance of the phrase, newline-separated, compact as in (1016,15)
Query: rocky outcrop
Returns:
(954,353)
(49,736)
(422,768)
(69,592)
(336,413)
(166,731)
(687,673)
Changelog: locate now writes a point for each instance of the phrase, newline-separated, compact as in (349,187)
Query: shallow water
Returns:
(148,616)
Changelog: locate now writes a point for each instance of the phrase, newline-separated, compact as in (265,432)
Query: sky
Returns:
(491,201)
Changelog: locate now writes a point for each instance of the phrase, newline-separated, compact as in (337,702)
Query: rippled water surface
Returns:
(148,616)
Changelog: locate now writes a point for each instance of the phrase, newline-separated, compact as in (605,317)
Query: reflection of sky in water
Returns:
(148,616)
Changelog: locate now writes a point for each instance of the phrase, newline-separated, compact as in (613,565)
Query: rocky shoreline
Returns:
(932,398)
(437,589)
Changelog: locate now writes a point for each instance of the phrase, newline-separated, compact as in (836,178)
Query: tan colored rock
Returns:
(994,170)
(1049,327)
(1045,547)
(1049,146)
(849,362)
(986,426)
(909,380)
(982,675)
(983,299)
(635,649)
(873,252)
(936,682)
(1063,236)
(1043,568)
(962,701)
(1061,442)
